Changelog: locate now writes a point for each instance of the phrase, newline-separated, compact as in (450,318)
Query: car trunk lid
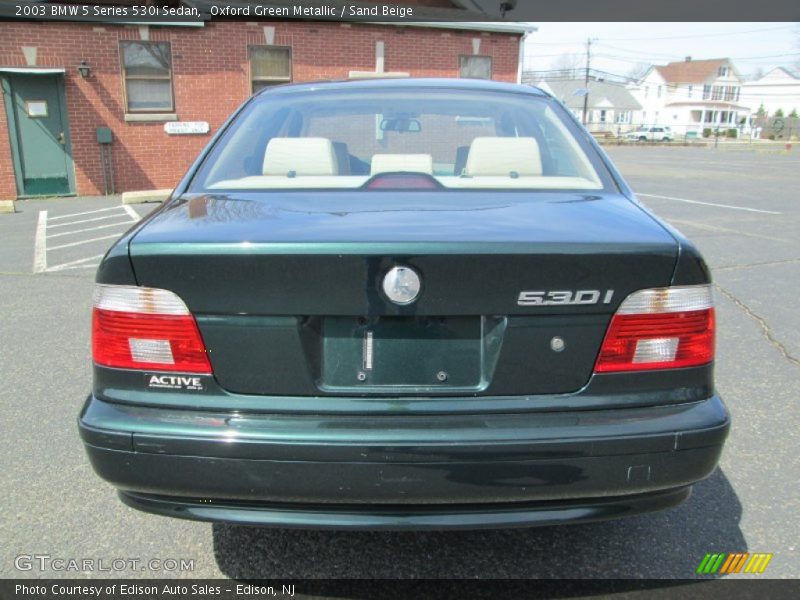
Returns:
(294,280)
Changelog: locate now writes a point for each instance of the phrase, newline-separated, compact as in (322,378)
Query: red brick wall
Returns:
(8,186)
(211,78)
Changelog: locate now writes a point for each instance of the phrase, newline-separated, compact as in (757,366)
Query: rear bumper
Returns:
(395,472)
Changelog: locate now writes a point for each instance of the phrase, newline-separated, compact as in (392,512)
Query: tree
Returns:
(793,114)
(567,65)
(761,112)
(778,113)
(638,71)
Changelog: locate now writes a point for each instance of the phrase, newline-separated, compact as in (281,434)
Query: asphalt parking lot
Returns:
(741,208)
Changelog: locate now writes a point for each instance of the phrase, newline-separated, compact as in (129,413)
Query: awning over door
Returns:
(32,71)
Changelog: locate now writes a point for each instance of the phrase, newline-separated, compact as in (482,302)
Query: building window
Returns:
(706,92)
(147,68)
(690,91)
(723,71)
(658,93)
(475,67)
(270,65)
(646,91)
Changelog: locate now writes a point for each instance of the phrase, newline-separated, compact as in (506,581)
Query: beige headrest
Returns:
(304,156)
(393,163)
(500,156)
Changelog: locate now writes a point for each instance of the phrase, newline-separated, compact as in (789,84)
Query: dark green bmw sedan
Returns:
(403,304)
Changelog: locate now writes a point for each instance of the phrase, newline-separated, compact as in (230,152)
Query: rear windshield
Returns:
(344,139)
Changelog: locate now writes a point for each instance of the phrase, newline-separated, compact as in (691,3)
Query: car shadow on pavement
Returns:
(668,544)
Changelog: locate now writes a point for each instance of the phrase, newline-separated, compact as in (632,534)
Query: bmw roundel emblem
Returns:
(401,285)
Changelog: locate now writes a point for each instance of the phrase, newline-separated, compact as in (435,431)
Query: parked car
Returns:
(650,134)
(403,304)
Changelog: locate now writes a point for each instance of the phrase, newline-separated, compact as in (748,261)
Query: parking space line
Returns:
(81,242)
(87,222)
(756,210)
(55,235)
(117,216)
(40,244)
(72,264)
(133,214)
(88,212)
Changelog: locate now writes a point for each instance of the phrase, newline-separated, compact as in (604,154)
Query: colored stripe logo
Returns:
(737,562)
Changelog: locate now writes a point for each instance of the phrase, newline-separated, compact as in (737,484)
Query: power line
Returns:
(610,47)
(678,56)
(673,88)
(633,60)
(534,43)
(704,35)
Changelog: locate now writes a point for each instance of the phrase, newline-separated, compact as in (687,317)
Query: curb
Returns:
(7,206)
(145,196)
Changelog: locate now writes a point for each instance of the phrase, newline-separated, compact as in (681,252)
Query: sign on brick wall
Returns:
(186,127)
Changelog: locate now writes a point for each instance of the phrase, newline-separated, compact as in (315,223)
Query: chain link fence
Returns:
(746,130)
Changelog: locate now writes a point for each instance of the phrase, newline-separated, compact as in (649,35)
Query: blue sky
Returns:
(618,47)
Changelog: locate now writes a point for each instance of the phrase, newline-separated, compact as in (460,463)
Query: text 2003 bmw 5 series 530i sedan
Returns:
(403,304)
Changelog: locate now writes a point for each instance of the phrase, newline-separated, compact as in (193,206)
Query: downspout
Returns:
(521,54)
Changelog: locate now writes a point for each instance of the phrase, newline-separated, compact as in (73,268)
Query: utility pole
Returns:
(586,78)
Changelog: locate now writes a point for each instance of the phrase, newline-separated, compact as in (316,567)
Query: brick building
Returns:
(66,85)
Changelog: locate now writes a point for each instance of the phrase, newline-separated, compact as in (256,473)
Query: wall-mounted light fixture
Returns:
(84,69)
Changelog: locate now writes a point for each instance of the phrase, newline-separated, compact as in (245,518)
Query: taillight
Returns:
(145,328)
(662,328)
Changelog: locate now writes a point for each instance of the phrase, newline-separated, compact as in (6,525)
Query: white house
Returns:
(778,89)
(691,95)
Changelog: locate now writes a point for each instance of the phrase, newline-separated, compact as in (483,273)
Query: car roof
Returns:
(400,83)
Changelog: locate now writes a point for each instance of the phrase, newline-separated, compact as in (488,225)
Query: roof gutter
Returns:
(519,28)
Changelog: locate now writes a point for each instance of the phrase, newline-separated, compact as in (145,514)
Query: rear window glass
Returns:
(344,139)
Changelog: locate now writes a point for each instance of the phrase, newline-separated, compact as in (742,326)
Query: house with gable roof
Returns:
(779,89)
(610,106)
(691,95)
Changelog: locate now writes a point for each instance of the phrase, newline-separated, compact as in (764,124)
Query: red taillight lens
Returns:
(145,328)
(663,328)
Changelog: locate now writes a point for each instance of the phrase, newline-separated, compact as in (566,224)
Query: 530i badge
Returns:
(564,297)
(403,304)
